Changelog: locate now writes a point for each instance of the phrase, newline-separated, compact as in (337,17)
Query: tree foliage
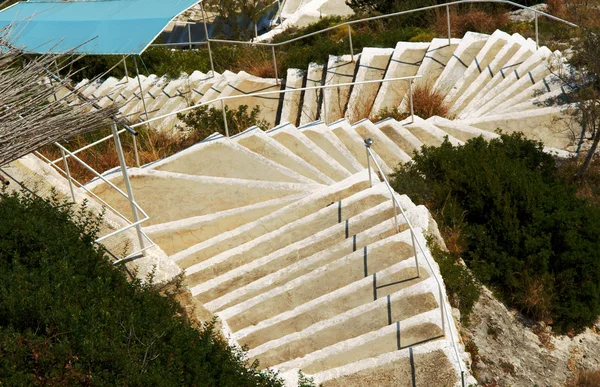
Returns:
(522,230)
(206,120)
(68,317)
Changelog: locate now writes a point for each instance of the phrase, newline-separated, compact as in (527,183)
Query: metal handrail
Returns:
(416,243)
(262,93)
(351,22)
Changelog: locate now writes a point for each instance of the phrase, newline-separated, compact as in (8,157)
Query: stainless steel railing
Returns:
(349,23)
(446,318)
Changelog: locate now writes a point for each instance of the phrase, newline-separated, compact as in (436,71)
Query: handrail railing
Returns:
(349,23)
(445,316)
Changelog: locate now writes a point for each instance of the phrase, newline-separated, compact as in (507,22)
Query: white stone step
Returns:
(340,69)
(532,78)
(312,203)
(460,130)
(506,59)
(217,86)
(259,142)
(152,86)
(438,54)
(321,136)
(298,143)
(246,83)
(161,193)
(296,240)
(401,136)
(537,59)
(291,101)
(554,97)
(228,159)
(486,55)
(428,133)
(113,95)
(176,236)
(105,88)
(356,145)
(549,125)
(463,56)
(385,148)
(310,102)
(372,66)
(405,62)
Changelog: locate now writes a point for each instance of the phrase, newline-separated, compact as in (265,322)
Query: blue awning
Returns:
(91,27)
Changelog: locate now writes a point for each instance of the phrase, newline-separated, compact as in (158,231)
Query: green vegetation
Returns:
(519,228)
(68,317)
(204,121)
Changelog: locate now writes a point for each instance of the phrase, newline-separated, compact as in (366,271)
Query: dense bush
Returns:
(522,230)
(206,120)
(68,317)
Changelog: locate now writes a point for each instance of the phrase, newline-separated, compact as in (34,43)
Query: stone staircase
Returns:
(489,82)
(282,234)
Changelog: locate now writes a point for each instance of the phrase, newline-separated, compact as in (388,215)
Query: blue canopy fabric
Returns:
(89,27)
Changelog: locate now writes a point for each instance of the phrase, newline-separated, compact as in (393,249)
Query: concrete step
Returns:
(321,135)
(340,69)
(282,249)
(556,96)
(302,146)
(373,65)
(161,193)
(311,98)
(486,55)
(502,62)
(438,54)
(463,56)
(260,226)
(428,133)
(460,130)
(356,145)
(385,148)
(401,136)
(228,159)
(530,79)
(134,109)
(257,141)
(405,62)
(291,101)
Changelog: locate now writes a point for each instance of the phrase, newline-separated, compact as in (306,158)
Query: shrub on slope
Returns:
(522,231)
(68,317)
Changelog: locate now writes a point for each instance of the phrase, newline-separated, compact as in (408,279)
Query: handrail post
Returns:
(412,235)
(442,311)
(135,151)
(368,143)
(224,118)
(125,174)
(189,35)
(137,71)
(412,110)
(537,38)
(448,21)
(275,64)
(62,152)
(212,66)
(350,40)
(125,66)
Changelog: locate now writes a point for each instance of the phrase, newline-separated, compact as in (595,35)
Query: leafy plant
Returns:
(523,231)
(206,120)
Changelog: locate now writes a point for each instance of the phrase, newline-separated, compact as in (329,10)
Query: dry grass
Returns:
(473,19)
(152,146)
(426,103)
(257,62)
(585,378)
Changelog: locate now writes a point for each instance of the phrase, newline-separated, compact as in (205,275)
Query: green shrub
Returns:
(523,231)
(206,120)
(69,317)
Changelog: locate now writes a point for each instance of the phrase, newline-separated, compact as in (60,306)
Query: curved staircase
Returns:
(282,235)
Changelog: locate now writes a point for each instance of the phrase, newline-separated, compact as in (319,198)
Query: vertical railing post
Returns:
(368,143)
(324,106)
(442,310)
(275,64)
(125,174)
(350,40)
(448,21)
(135,150)
(137,71)
(395,214)
(410,100)
(212,66)
(125,66)
(189,28)
(62,152)
(537,38)
(412,235)
(225,118)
